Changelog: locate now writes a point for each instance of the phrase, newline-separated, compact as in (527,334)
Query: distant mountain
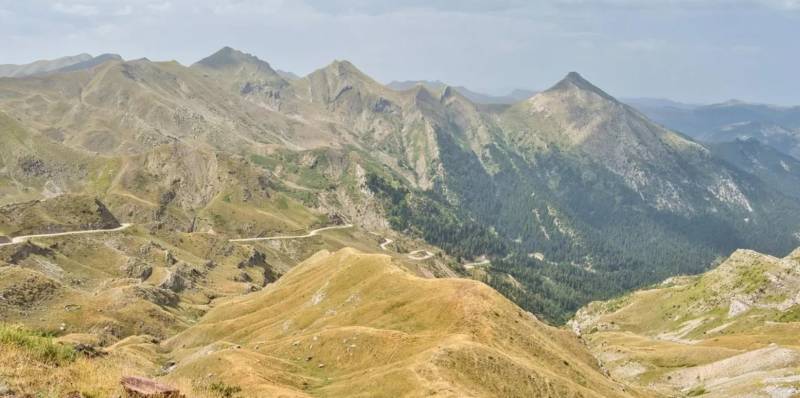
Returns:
(778,127)
(42,66)
(779,170)
(245,71)
(476,97)
(656,103)
(64,64)
(783,139)
(670,171)
(90,63)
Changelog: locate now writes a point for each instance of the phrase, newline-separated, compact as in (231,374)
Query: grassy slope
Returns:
(35,166)
(354,324)
(376,329)
(683,335)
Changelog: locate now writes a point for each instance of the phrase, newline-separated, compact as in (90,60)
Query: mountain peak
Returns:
(574,81)
(343,67)
(229,57)
(574,76)
(344,71)
(245,69)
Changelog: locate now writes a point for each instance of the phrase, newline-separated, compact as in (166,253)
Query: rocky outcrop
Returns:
(27,249)
(137,268)
(156,295)
(140,387)
(257,259)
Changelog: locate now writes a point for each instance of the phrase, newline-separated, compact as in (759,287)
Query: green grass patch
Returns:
(752,279)
(38,344)
(791,315)
(282,203)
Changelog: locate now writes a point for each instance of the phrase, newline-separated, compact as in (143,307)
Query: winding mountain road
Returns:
(476,264)
(417,255)
(20,239)
(420,255)
(308,235)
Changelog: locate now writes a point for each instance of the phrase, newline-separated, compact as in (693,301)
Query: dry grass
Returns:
(42,367)
(355,324)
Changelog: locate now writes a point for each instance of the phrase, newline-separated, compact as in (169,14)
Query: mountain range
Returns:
(775,126)
(512,97)
(602,187)
(63,64)
(228,173)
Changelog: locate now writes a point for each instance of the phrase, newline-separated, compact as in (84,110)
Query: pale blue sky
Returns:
(688,50)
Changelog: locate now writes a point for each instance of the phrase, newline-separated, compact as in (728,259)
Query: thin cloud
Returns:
(84,10)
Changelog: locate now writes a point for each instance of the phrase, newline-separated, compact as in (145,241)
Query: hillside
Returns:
(730,331)
(63,213)
(33,166)
(313,333)
(129,107)
(317,333)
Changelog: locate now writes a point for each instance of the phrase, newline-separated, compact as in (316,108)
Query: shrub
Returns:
(224,390)
(697,391)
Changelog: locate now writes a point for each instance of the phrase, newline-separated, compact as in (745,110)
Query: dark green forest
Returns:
(599,238)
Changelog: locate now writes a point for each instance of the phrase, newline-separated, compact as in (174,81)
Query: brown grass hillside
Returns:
(355,324)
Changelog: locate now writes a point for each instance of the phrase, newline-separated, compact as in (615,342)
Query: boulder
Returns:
(140,387)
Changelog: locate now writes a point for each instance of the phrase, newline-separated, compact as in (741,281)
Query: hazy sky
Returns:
(688,50)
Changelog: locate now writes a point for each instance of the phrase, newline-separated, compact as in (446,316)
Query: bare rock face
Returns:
(106,219)
(26,250)
(257,259)
(173,282)
(137,268)
(140,387)
(157,295)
